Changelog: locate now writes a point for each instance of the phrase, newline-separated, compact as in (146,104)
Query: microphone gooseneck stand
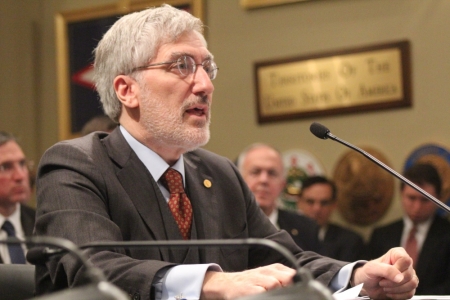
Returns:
(324,133)
(304,286)
(97,289)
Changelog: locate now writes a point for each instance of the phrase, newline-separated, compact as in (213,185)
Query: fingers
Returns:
(391,275)
(280,273)
(397,257)
(232,285)
(396,264)
(375,271)
(403,291)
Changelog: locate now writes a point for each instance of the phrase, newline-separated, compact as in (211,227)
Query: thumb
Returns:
(398,258)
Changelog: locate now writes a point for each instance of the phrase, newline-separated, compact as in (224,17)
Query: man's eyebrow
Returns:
(177,55)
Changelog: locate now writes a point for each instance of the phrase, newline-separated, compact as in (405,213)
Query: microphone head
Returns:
(319,130)
(40,255)
(37,255)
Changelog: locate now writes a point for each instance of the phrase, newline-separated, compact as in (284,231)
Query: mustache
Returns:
(195,101)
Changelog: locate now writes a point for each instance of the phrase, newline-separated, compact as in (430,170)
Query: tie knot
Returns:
(9,228)
(173,181)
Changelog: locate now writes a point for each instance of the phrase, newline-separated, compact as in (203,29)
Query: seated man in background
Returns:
(16,219)
(262,168)
(317,200)
(424,235)
(149,180)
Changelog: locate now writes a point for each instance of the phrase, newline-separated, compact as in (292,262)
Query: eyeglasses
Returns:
(8,168)
(185,65)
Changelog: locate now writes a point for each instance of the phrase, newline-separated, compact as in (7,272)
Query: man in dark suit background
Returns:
(154,75)
(15,192)
(431,234)
(262,168)
(317,200)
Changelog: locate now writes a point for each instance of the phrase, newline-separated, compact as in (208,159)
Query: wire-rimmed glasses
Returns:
(186,66)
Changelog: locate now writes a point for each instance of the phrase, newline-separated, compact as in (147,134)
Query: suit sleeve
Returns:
(322,268)
(72,203)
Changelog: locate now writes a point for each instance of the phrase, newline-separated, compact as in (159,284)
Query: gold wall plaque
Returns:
(370,78)
(249,4)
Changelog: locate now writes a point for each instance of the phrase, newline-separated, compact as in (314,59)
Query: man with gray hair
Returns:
(262,168)
(149,180)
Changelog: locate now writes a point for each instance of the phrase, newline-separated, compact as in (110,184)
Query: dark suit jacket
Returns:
(302,229)
(27,217)
(96,189)
(433,263)
(342,244)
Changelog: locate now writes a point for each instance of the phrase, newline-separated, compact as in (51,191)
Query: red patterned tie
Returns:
(179,203)
(411,245)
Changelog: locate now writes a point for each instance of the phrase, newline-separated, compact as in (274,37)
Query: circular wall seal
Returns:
(439,157)
(364,190)
(299,164)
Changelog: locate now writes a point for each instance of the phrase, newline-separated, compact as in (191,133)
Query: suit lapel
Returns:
(27,219)
(427,253)
(394,239)
(330,234)
(200,188)
(145,197)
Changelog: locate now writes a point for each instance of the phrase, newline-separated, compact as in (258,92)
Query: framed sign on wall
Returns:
(250,4)
(352,80)
(77,34)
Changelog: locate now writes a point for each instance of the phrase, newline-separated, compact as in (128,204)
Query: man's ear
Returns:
(127,90)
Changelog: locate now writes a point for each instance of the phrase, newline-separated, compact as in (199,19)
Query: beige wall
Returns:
(238,38)
(19,78)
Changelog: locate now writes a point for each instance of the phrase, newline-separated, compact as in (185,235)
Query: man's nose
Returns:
(316,206)
(202,83)
(264,176)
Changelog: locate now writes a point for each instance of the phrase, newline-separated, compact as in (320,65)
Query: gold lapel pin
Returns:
(207,183)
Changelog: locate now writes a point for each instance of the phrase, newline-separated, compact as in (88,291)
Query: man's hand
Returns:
(390,276)
(217,285)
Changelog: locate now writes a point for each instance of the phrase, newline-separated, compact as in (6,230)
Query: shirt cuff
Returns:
(186,281)
(342,278)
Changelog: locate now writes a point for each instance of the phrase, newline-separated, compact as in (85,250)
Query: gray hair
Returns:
(133,41)
(241,158)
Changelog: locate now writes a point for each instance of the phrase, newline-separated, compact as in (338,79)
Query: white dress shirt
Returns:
(421,233)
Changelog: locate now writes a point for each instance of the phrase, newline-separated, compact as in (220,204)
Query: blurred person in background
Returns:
(317,200)
(424,235)
(16,218)
(263,170)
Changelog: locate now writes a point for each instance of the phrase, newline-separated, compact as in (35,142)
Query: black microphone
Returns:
(304,287)
(39,255)
(97,289)
(323,132)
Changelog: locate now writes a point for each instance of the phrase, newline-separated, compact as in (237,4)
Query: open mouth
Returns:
(198,111)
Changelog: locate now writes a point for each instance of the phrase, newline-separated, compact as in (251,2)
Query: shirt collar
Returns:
(273,217)
(152,161)
(421,227)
